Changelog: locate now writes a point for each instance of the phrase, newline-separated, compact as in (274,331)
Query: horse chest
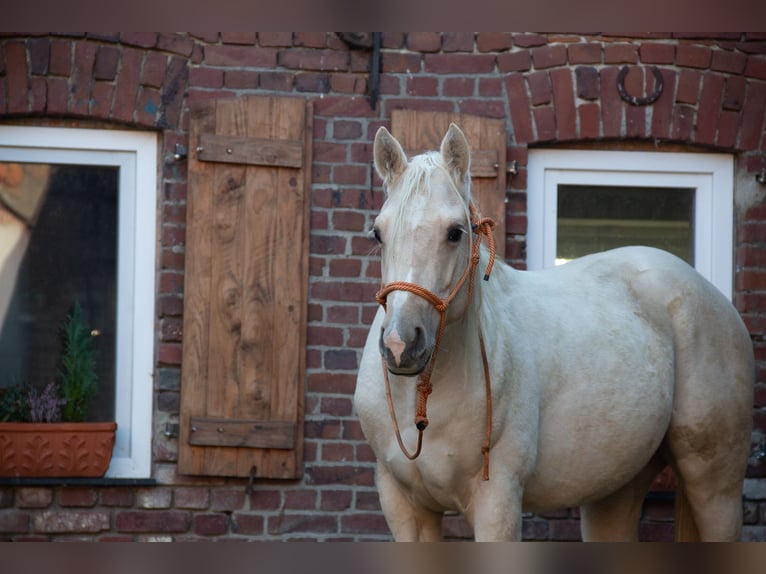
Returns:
(441,478)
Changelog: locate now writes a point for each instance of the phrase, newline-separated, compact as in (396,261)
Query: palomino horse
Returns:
(588,380)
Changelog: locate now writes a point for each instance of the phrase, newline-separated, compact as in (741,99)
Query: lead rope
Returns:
(483,226)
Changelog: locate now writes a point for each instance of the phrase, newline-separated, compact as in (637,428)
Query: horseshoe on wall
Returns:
(635,100)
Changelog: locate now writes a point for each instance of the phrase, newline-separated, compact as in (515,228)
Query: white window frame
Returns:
(135,154)
(711,176)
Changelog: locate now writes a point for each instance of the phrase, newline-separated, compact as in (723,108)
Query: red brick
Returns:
(424,41)
(309,59)
(345,268)
(459,63)
(116,497)
(568,530)
(585,53)
(127,85)
(482,107)
(18,77)
(275,80)
(238,38)
(488,87)
(101,100)
(549,56)
(169,354)
(752,116)
(422,86)
(539,87)
(84,59)
(348,220)
(175,43)
(348,83)
(252,524)
(227,500)
(457,42)
(529,40)
(60,58)
(545,123)
(39,55)
(652,53)
(728,129)
(39,93)
(152,521)
(688,87)
(335,500)
(147,106)
(107,59)
(309,523)
(589,120)
(350,174)
(587,82)
(563,101)
(459,87)
(34,497)
(206,77)
(71,522)
(756,67)
(728,61)
(611,104)
(310,39)
(635,121)
(620,54)
(709,108)
(693,56)
(238,56)
(683,123)
(211,524)
(397,62)
(514,61)
(275,39)
(520,108)
(493,41)
(734,94)
(14,522)
(154,68)
(364,524)
(73,496)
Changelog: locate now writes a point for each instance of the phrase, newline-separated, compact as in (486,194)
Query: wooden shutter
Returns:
(246,285)
(420,131)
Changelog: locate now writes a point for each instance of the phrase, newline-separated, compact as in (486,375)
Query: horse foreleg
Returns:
(407,522)
(495,512)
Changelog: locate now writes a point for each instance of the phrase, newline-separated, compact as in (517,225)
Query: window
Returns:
(582,202)
(82,230)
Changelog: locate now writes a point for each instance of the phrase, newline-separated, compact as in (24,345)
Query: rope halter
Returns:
(481,227)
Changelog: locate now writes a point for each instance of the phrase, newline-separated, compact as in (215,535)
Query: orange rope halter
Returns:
(480,226)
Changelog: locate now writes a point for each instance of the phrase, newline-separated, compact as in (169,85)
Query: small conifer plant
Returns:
(78,367)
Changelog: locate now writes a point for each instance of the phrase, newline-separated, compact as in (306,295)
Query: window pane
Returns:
(58,245)
(598,218)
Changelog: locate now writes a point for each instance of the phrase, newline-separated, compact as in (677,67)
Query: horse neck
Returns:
(463,333)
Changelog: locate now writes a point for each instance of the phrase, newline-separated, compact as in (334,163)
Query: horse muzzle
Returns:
(406,352)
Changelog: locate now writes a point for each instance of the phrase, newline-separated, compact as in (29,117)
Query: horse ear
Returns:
(390,159)
(456,152)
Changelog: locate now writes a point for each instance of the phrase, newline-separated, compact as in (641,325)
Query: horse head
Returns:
(424,230)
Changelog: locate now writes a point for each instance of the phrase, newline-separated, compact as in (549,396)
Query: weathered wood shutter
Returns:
(246,284)
(423,130)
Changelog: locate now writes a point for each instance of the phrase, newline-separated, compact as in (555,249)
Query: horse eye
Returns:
(455,234)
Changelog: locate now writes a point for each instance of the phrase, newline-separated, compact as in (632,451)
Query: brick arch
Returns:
(714,109)
(138,79)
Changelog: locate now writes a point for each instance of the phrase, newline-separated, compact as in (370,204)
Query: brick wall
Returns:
(550,88)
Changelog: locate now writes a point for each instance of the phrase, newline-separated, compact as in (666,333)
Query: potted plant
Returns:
(44,433)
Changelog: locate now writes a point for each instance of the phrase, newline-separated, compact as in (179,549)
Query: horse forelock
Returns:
(415,181)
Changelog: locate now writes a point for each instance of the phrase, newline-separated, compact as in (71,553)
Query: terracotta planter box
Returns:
(56,449)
